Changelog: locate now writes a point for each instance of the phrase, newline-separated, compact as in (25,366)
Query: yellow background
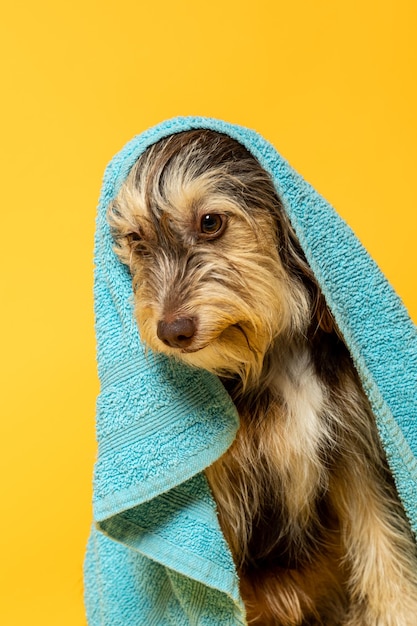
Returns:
(332,84)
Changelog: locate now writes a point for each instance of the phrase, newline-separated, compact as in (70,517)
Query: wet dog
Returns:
(304,495)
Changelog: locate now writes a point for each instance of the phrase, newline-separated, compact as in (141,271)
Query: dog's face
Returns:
(196,222)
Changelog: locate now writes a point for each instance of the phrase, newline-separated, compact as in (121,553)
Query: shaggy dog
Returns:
(304,495)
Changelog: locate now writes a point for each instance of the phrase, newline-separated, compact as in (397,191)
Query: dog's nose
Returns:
(177,334)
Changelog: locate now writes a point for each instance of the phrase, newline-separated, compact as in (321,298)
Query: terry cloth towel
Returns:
(156,555)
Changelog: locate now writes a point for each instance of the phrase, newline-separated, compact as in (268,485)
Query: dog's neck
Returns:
(289,363)
(285,367)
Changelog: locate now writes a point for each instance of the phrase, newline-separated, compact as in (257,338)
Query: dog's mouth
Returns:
(194,350)
(234,350)
(217,337)
(185,335)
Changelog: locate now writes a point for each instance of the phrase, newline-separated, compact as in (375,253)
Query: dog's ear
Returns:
(323,317)
(293,258)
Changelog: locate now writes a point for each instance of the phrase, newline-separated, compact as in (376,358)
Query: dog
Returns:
(304,495)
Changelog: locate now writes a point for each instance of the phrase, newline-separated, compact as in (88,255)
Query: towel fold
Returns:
(156,554)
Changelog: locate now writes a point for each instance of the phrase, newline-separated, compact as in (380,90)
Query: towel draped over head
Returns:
(156,554)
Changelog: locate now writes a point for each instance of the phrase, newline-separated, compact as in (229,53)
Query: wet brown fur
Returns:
(304,495)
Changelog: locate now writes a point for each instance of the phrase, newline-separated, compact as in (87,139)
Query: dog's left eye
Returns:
(212,224)
(133,237)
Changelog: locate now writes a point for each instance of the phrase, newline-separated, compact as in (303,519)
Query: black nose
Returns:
(178,333)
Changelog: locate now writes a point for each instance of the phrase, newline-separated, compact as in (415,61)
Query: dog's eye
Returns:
(132,237)
(212,224)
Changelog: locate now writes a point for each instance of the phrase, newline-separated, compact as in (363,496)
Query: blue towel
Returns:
(156,555)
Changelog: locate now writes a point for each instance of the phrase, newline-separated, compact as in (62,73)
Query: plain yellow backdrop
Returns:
(331,84)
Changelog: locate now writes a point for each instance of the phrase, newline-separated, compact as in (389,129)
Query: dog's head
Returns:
(217,272)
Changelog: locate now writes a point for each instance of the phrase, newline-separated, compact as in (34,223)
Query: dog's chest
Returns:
(271,485)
